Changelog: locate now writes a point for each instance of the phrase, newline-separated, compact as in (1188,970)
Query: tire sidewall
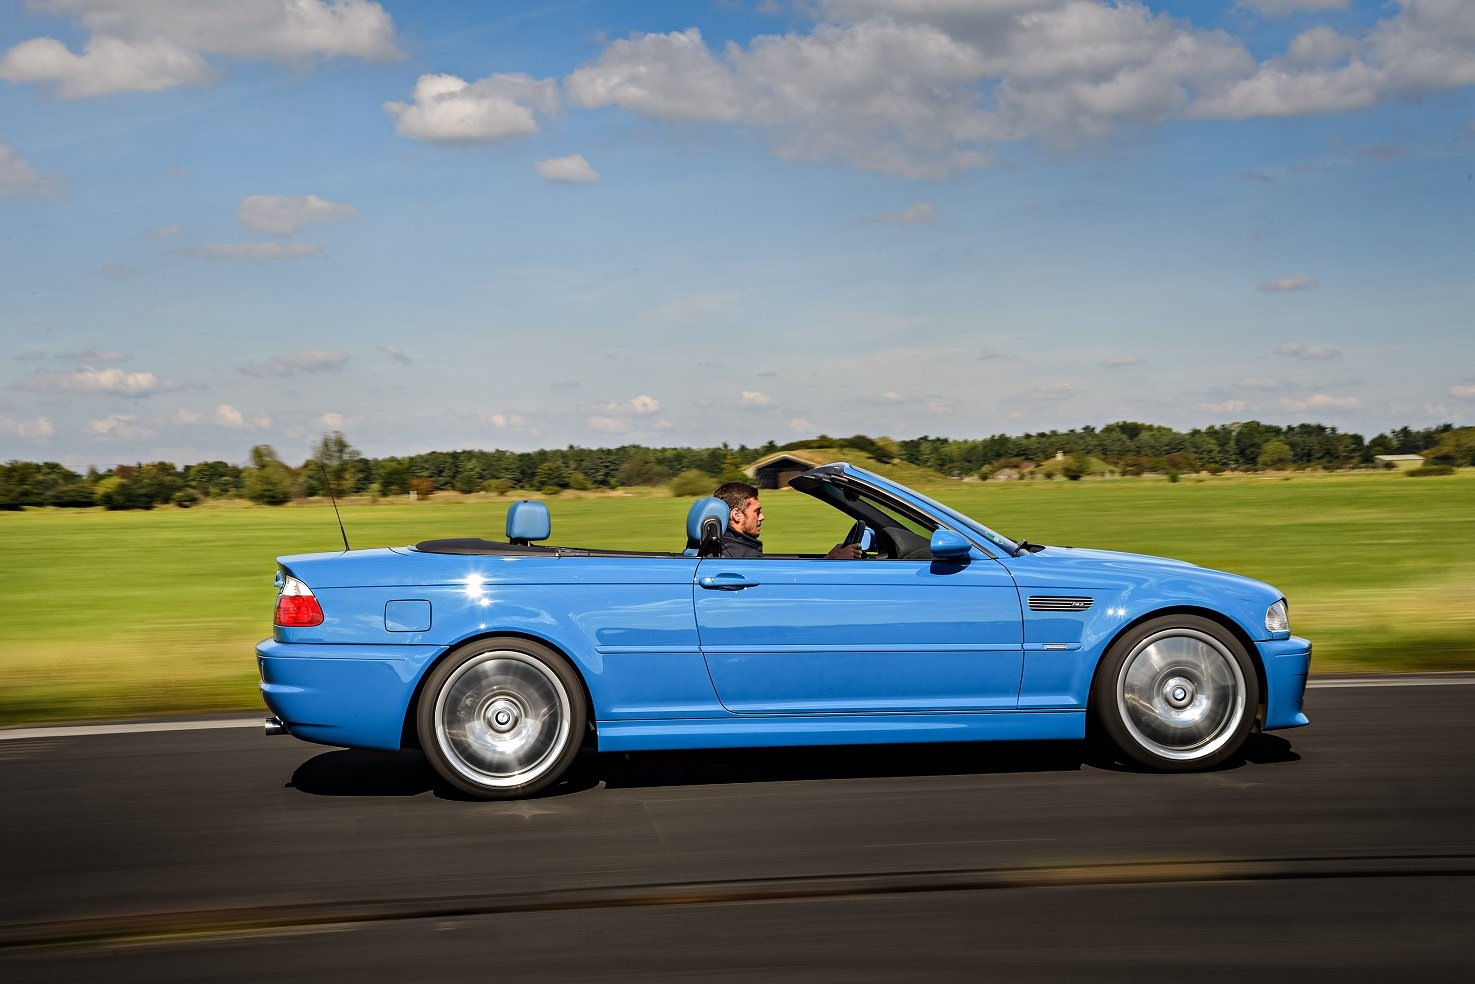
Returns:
(445,670)
(1106,714)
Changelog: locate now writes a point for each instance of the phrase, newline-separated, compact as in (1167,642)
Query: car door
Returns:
(807,635)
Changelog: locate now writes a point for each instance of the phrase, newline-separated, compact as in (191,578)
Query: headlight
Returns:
(1276,619)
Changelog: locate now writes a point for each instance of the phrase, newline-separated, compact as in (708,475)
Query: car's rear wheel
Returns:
(501,718)
(1176,694)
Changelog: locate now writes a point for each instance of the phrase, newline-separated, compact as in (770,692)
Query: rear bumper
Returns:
(353,696)
(1286,662)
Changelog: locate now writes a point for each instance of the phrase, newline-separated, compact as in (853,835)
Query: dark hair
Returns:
(735,494)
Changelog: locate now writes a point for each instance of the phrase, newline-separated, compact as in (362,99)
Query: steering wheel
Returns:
(856,535)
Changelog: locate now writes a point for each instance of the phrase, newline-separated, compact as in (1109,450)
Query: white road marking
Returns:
(1464,680)
(130,728)
(154,727)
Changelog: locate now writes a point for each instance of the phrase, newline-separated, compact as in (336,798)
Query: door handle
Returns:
(726,582)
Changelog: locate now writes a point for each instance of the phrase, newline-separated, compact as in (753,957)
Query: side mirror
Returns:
(868,540)
(947,545)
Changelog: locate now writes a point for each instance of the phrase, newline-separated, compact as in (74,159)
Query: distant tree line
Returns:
(336,467)
(1135,448)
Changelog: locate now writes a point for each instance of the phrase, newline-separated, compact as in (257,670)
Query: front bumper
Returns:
(1286,662)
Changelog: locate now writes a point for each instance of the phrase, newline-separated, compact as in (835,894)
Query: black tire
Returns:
(501,718)
(1176,694)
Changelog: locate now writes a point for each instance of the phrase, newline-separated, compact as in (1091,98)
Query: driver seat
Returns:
(706,521)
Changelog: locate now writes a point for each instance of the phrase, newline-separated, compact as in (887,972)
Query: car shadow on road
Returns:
(740,765)
(1259,749)
(355,772)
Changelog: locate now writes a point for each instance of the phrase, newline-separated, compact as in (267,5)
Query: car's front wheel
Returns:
(501,718)
(1176,693)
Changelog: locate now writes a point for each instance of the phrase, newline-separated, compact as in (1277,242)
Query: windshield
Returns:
(858,480)
(965,524)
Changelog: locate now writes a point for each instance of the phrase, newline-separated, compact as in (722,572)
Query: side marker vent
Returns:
(1059,603)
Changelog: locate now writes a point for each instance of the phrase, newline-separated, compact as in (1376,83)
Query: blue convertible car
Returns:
(502,659)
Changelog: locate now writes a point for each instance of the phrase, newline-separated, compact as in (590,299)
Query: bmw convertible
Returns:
(502,659)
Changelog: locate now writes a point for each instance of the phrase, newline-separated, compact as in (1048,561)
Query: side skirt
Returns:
(849,729)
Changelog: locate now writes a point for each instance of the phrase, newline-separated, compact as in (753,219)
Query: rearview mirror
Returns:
(947,545)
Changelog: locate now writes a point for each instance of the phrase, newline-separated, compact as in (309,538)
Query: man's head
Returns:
(746,516)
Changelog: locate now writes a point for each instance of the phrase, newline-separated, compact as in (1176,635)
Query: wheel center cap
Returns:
(1179,692)
(502,715)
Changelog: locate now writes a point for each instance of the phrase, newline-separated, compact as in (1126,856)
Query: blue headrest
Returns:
(527,520)
(701,510)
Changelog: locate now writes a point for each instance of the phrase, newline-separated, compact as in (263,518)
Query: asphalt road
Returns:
(1343,851)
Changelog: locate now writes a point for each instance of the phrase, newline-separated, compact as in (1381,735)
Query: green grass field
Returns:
(122,614)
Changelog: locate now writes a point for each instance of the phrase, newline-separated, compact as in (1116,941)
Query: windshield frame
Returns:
(845,474)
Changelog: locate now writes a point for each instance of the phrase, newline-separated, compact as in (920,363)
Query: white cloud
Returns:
(19,180)
(925,88)
(118,427)
(609,425)
(1320,47)
(1321,401)
(916,214)
(507,420)
(1464,392)
(1279,90)
(620,418)
(234,419)
(148,46)
(666,76)
(754,399)
(1296,281)
(448,109)
(280,215)
(255,251)
(297,363)
(1282,8)
(801,426)
(89,357)
(395,353)
(34,429)
(1121,360)
(1427,46)
(885,96)
(1058,390)
(1228,406)
(1260,383)
(922,88)
(106,66)
(940,408)
(111,381)
(1297,350)
(572,169)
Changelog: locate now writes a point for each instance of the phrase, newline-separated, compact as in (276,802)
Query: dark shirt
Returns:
(741,546)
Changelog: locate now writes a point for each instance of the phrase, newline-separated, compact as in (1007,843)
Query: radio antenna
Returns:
(328,484)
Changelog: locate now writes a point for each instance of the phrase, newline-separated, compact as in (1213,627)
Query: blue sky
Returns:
(441,225)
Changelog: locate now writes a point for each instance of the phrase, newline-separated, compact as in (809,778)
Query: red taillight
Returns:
(296,606)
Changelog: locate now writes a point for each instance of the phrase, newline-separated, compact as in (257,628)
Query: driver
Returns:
(741,542)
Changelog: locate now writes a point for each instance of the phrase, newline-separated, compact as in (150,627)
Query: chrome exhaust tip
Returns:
(274,726)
